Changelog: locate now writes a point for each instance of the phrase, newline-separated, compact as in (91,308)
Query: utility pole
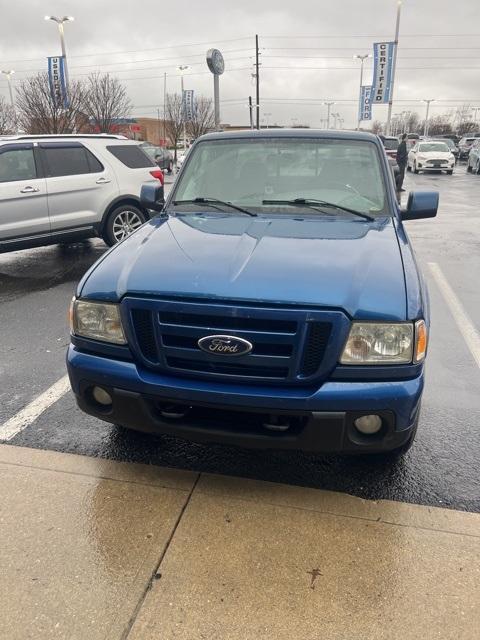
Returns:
(257,80)
(250,108)
(329,106)
(475,111)
(425,126)
(9,74)
(165,108)
(394,66)
(362,58)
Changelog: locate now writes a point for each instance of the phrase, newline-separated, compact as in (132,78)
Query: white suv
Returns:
(69,187)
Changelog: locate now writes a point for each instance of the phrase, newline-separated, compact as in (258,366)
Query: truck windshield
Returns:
(246,172)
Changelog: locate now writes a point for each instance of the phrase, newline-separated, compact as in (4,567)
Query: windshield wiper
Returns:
(214,201)
(311,202)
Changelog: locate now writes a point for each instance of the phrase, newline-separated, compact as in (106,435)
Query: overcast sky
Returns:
(140,41)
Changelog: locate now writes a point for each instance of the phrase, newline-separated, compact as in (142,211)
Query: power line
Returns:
(401,48)
(411,35)
(401,57)
(295,68)
(115,71)
(112,53)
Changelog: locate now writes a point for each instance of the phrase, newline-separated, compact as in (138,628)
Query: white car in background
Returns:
(430,156)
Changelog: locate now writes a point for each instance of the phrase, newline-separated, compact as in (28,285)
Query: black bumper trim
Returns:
(322,432)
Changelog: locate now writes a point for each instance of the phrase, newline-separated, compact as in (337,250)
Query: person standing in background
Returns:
(402,158)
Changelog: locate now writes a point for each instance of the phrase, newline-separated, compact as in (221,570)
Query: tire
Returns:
(121,222)
(415,170)
(170,167)
(469,168)
(450,172)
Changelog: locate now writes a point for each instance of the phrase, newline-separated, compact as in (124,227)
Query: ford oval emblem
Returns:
(225,345)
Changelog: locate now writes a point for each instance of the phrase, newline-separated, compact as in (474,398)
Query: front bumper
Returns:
(321,419)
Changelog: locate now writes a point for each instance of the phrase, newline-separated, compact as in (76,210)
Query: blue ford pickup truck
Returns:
(274,301)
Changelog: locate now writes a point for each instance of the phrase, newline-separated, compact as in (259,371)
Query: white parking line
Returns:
(466,326)
(36,407)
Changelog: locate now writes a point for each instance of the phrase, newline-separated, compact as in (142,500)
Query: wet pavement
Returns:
(442,467)
(109,551)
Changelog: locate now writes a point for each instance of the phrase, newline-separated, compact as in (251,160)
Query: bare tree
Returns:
(7,117)
(439,125)
(203,118)
(467,126)
(39,113)
(105,101)
(377,126)
(174,123)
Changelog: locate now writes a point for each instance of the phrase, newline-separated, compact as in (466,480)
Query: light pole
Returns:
(9,74)
(362,57)
(164,109)
(60,22)
(394,65)
(329,106)
(266,116)
(182,68)
(425,126)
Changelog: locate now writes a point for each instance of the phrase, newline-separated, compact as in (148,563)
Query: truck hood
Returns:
(341,263)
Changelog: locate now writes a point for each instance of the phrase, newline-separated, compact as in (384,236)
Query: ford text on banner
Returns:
(188,105)
(56,78)
(365,107)
(383,54)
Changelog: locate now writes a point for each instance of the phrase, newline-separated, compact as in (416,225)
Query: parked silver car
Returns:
(65,188)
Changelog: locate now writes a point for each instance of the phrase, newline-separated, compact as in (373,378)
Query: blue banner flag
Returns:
(56,78)
(365,107)
(383,54)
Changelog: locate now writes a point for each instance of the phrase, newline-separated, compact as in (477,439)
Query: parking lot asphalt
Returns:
(442,467)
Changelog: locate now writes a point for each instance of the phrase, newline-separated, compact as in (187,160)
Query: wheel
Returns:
(122,221)
(469,168)
(449,173)
(170,167)
(415,170)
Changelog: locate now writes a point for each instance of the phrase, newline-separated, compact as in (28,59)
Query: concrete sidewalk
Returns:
(93,549)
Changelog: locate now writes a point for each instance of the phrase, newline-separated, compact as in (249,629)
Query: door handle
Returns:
(29,189)
(103,181)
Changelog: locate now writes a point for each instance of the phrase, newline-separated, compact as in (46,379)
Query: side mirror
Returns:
(152,196)
(421,204)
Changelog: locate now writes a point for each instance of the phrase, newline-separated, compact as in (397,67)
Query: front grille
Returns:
(318,334)
(289,345)
(143,323)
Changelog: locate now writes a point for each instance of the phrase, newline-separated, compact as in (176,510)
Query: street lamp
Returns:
(425,127)
(362,57)
(182,68)
(60,22)
(329,106)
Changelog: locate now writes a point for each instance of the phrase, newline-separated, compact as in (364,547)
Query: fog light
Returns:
(368,424)
(101,396)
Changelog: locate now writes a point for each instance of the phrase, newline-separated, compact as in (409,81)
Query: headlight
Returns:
(96,320)
(379,343)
